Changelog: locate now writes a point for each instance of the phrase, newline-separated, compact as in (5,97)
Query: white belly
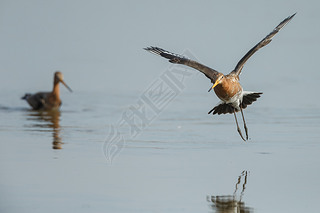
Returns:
(235,100)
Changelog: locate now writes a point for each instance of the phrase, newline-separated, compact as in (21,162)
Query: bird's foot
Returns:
(246,130)
(240,133)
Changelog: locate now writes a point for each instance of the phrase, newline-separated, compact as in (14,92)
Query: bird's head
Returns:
(58,77)
(218,80)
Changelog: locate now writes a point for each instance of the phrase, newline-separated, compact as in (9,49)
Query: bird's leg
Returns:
(244,123)
(238,128)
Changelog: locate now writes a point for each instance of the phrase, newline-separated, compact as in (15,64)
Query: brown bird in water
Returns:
(227,87)
(47,100)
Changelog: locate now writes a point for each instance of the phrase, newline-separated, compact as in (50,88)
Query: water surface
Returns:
(183,161)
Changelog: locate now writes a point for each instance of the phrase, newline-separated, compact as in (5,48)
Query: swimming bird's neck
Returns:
(56,90)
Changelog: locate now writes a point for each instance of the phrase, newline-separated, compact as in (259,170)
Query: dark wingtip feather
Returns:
(248,99)
(210,111)
(222,109)
(173,58)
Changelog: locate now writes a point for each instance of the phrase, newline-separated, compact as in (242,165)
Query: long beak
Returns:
(66,85)
(215,84)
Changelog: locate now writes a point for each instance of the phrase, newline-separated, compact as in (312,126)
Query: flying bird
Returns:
(227,87)
(47,100)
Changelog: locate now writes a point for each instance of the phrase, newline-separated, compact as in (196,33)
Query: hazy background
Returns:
(98,44)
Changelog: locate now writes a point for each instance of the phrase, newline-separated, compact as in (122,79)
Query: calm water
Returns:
(183,161)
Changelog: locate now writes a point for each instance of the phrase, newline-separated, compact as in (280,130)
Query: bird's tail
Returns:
(26,96)
(224,108)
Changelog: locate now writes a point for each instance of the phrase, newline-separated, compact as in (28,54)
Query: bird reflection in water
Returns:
(49,121)
(230,203)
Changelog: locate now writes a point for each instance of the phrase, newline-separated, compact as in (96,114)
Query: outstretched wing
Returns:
(261,44)
(178,59)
